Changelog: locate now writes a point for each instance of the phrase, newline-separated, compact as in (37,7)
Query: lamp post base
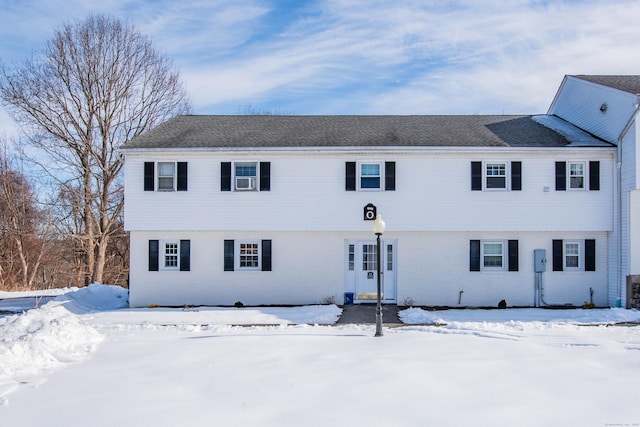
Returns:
(378,321)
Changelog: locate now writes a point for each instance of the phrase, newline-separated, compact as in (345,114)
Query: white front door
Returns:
(361,274)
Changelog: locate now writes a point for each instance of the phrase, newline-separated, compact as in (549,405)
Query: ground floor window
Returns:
(493,255)
(244,255)
(249,256)
(169,255)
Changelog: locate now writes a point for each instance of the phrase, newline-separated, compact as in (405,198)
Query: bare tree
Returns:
(97,84)
(23,228)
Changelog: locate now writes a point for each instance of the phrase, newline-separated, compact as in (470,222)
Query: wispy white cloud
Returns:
(370,56)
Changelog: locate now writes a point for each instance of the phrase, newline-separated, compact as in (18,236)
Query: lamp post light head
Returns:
(378,225)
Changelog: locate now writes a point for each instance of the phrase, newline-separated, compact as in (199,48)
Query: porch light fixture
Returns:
(378,228)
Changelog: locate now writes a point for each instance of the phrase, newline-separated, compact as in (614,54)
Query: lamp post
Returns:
(378,228)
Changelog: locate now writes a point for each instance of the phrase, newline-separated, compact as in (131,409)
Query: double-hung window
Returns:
(576,175)
(370,176)
(572,255)
(495,176)
(165,176)
(169,255)
(249,256)
(246,175)
(492,255)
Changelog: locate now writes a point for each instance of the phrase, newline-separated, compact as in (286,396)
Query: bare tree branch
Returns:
(97,84)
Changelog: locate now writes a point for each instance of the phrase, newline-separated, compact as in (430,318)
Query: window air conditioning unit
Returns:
(245,183)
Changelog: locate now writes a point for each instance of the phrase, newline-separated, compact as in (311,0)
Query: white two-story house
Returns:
(533,210)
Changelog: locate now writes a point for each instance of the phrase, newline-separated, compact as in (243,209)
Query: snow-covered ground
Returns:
(85,359)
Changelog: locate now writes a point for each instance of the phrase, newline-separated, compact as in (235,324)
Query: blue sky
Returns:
(361,56)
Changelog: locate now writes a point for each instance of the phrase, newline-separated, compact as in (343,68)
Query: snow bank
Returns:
(416,316)
(95,297)
(45,339)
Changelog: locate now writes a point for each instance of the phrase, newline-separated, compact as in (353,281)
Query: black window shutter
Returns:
(476,176)
(154,246)
(516,176)
(390,176)
(228,255)
(182,176)
(590,255)
(474,255)
(558,264)
(185,255)
(350,176)
(561,176)
(265,176)
(148,176)
(594,176)
(513,255)
(225,176)
(266,255)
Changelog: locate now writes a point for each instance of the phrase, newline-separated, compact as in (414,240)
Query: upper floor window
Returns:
(245,176)
(496,175)
(165,176)
(367,176)
(370,176)
(578,175)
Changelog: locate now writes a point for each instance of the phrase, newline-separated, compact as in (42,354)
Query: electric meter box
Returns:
(540,260)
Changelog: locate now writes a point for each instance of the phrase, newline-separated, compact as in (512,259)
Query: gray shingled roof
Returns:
(233,132)
(629,84)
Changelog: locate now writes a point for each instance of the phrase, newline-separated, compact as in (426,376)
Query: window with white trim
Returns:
(492,255)
(370,176)
(495,175)
(166,176)
(572,253)
(576,175)
(249,256)
(171,256)
(246,176)
(500,175)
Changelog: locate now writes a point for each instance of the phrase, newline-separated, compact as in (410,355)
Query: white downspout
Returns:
(619,196)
